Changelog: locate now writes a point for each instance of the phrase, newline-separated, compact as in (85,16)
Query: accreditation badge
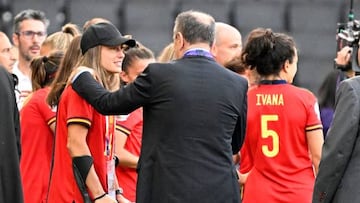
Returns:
(109,154)
(111,178)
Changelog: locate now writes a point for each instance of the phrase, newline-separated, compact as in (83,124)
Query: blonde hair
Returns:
(167,54)
(61,40)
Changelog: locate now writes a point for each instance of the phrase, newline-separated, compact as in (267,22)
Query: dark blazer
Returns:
(339,168)
(194,121)
(10,181)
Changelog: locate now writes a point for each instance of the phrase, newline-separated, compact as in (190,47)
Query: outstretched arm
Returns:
(122,101)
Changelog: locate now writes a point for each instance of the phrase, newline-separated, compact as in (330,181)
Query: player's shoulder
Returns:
(301,91)
(158,68)
(353,82)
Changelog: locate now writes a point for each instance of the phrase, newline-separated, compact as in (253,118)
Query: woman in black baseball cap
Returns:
(105,34)
(84,146)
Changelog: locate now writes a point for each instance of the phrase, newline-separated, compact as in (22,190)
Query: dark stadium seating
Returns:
(314,16)
(312,23)
(52,11)
(83,10)
(151,22)
(219,9)
(267,14)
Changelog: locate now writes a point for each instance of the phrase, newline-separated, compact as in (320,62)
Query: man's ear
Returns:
(214,50)
(179,40)
(123,77)
(15,39)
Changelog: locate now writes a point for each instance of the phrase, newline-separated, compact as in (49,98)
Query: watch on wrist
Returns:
(119,191)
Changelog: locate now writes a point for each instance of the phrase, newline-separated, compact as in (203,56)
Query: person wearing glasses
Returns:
(30,31)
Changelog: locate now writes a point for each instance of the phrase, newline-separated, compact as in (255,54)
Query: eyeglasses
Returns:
(30,34)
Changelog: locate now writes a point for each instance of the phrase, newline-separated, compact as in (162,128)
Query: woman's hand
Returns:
(122,199)
(106,199)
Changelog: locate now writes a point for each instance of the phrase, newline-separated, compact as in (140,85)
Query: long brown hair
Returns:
(61,40)
(71,58)
(91,59)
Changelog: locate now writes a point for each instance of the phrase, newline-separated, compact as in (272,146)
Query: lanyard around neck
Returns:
(198,52)
(109,137)
(272,82)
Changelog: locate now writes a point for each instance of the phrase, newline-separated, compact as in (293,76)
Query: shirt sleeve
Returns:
(123,101)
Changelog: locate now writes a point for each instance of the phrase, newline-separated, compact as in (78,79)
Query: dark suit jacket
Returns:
(194,120)
(338,177)
(10,181)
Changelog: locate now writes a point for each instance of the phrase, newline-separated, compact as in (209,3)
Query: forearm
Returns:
(127,159)
(82,159)
(316,162)
(236,158)
(315,142)
(92,180)
(93,183)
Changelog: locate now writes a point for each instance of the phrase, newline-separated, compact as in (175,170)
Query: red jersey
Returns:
(279,115)
(37,140)
(73,109)
(132,127)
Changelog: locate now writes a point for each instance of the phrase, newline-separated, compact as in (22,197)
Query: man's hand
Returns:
(343,56)
(79,70)
(242,177)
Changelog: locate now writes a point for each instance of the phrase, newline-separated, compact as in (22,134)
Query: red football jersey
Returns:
(281,170)
(37,140)
(132,126)
(73,109)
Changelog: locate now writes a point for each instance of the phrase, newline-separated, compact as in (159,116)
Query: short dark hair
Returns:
(236,66)
(194,29)
(267,51)
(29,14)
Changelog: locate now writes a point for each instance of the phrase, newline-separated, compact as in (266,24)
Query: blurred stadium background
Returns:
(313,23)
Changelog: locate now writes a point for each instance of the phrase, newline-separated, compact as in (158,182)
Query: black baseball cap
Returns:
(103,33)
